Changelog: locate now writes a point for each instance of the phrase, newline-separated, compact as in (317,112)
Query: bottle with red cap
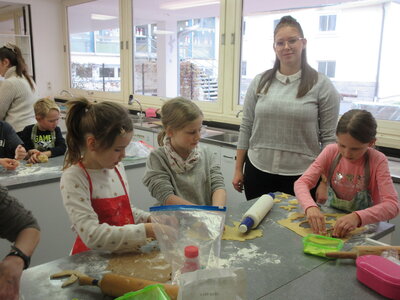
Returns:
(191,262)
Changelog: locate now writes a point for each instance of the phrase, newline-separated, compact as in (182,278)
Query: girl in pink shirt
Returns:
(355,178)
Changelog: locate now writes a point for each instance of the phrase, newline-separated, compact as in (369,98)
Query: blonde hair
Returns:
(43,106)
(176,114)
(105,121)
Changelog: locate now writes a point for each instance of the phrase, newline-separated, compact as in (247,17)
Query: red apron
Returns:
(113,211)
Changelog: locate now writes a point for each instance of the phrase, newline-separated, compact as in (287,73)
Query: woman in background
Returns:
(289,114)
(17,91)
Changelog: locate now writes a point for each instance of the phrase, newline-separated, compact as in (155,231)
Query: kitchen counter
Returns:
(37,187)
(275,264)
(32,175)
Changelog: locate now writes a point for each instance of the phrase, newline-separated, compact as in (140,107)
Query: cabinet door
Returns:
(228,160)
(143,135)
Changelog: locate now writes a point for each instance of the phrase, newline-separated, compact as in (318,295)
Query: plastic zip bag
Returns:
(189,225)
(213,284)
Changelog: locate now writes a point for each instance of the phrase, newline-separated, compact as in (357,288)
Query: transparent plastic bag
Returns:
(213,284)
(137,149)
(189,225)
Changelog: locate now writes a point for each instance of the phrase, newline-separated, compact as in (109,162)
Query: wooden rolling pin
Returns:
(362,250)
(117,285)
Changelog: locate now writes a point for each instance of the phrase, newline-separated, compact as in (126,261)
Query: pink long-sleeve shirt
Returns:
(348,179)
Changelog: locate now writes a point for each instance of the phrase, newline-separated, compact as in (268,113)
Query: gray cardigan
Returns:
(196,185)
(16,101)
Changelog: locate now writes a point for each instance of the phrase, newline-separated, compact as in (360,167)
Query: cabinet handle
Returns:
(230,157)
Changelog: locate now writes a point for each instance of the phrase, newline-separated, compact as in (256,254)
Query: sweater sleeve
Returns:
(13,216)
(249,106)
(76,198)
(217,180)
(387,206)
(60,146)
(157,177)
(7,95)
(310,177)
(25,135)
(328,112)
(12,140)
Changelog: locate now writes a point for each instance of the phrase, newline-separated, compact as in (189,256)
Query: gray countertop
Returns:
(275,264)
(51,171)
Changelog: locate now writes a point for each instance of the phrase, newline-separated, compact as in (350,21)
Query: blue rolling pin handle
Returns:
(246,225)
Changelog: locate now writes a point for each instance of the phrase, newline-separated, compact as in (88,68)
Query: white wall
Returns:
(48,50)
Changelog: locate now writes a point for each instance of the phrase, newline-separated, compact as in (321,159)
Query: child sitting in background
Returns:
(357,178)
(11,148)
(44,137)
(181,172)
(94,186)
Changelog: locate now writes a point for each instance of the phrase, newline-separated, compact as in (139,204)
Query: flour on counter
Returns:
(242,255)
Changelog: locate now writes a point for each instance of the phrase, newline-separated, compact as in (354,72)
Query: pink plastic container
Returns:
(379,274)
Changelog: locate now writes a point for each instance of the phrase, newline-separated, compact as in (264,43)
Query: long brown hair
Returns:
(359,123)
(309,76)
(176,114)
(105,121)
(14,55)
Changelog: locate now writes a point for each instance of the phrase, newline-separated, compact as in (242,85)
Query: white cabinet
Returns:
(139,194)
(228,160)
(143,135)
(226,156)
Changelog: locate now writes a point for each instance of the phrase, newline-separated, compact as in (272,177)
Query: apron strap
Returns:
(88,177)
(332,168)
(90,180)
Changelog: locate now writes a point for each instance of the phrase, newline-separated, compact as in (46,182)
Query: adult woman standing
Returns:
(17,91)
(289,114)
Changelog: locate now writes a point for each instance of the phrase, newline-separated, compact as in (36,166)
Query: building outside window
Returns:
(327,68)
(327,23)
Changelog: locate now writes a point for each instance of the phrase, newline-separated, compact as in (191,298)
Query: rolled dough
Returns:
(232,233)
(298,223)
(150,266)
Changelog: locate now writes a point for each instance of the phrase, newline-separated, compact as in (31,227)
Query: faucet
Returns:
(66,92)
(130,102)
(240,111)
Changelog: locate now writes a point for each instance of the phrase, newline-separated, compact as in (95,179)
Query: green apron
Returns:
(361,200)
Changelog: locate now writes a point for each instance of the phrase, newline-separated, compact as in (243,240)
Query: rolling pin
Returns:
(362,250)
(116,285)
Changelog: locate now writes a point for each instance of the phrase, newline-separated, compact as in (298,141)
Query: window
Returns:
(186,48)
(365,79)
(327,68)
(176,55)
(94,40)
(327,23)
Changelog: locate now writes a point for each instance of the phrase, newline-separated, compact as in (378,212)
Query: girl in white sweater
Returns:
(17,91)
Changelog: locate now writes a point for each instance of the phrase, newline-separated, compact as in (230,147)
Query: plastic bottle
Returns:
(191,259)
(256,212)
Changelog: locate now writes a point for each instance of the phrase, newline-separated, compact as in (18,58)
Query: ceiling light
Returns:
(174,5)
(157,31)
(102,17)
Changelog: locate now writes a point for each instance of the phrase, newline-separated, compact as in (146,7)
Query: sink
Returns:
(145,122)
(227,137)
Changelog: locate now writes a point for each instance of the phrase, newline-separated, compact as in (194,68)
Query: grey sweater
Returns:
(196,185)
(13,216)
(16,101)
(280,121)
